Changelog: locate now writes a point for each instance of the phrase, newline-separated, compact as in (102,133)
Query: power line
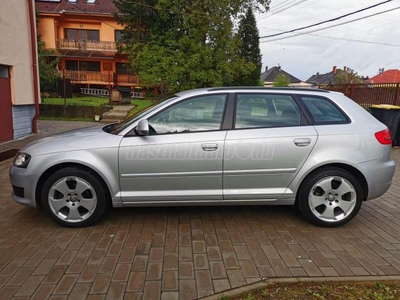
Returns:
(332,26)
(327,21)
(286,8)
(355,40)
(281,9)
(282,4)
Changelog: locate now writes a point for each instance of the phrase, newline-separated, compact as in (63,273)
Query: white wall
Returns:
(15,49)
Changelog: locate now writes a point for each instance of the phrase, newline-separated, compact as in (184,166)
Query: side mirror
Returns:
(143,127)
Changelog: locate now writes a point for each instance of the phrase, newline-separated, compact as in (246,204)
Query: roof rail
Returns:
(225,88)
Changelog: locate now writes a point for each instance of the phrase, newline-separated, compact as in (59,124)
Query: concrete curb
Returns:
(266,282)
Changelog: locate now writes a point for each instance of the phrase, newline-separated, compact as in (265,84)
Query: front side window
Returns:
(266,110)
(323,110)
(202,113)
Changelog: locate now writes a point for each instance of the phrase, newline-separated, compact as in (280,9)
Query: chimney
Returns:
(344,69)
(266,68)
(334,70)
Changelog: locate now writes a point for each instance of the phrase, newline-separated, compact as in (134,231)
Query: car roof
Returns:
(251,89)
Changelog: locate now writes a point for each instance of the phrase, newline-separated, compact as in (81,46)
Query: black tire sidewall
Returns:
(312,179)
(83,174)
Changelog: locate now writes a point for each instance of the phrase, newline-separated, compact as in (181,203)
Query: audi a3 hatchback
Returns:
(315,149)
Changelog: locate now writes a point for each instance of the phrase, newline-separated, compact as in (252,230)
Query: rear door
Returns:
(270,142)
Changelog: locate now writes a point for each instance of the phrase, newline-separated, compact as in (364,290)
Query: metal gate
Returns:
(6,122)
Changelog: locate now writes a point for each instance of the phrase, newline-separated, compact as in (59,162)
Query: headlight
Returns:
(22,160)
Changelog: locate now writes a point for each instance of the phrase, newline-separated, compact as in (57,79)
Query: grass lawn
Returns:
(77,101)
(326,290)
(141,104)
(66,119)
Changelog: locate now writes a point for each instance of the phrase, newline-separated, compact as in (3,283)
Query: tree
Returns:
(281,80)
(249,50)
(48,72)
(183,44)
(347,76)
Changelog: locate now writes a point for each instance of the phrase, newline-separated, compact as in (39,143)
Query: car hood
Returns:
(80,139)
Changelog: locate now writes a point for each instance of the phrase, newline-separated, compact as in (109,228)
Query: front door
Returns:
(181,158)
(267,147)
(6,122)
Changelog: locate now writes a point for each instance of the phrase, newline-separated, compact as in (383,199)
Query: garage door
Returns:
(6,124)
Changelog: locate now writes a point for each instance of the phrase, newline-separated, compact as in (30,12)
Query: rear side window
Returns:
(266,110)
(324,111)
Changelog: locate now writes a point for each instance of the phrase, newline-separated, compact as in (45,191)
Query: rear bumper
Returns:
(379,175)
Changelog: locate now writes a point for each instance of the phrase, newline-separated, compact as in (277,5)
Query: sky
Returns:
(306,54)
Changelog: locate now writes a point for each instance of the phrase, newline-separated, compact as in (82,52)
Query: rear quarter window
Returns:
(324,111)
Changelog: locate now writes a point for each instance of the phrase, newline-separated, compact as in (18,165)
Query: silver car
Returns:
(311,148)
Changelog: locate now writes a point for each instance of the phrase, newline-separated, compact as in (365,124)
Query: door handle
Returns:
(302,142)
(209,147)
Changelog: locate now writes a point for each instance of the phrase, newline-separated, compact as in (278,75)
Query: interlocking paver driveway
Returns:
(188,252)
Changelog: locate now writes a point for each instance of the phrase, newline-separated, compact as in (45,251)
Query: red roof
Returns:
(389,76)
(106,7)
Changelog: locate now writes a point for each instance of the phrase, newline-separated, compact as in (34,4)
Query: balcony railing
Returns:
(87,45)
(103,78)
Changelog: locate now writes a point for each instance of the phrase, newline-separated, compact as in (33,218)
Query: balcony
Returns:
(84,45)
(101,78)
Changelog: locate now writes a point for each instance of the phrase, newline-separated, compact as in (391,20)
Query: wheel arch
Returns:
(354,171)
(46,174)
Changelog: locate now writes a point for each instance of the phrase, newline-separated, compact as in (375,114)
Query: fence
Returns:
(369,94)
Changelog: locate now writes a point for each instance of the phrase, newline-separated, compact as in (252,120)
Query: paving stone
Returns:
(184,252)
(170,280)
(187,289)
(100,284)
(136,281)
(66,284)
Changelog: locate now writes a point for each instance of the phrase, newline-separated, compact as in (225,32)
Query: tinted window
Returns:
(266,110)
(323,110)
(196,114)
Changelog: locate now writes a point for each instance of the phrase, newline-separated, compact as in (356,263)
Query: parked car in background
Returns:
(311,148)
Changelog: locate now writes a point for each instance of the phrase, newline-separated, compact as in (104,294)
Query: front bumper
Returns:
(23,185)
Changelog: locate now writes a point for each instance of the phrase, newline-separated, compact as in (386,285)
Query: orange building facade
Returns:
(84,34)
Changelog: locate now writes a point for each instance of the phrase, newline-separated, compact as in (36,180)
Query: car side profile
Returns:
(311,148)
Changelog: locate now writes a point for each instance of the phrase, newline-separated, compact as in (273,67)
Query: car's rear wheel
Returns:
(74,197)
(330,197)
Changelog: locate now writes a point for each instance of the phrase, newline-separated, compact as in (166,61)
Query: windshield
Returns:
(117,128)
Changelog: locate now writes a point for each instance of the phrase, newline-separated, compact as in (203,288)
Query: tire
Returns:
(74,197)
(330,197)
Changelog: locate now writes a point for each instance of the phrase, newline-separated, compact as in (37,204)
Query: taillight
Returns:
(384,137)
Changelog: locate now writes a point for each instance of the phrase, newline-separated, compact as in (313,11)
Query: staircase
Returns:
(117,114)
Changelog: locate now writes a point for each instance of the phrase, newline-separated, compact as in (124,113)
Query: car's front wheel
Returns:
(330,197)
(74,197)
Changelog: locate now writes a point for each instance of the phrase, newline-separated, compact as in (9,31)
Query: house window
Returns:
(82,34)
(90,1)
(4,72)
(122,68)
(75,65)
(72,1)
(71,65)
(118,35)
(93,66)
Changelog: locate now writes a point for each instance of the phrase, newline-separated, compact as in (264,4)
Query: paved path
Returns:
(185,253)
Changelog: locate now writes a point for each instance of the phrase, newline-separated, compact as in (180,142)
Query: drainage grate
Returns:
(8,154)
